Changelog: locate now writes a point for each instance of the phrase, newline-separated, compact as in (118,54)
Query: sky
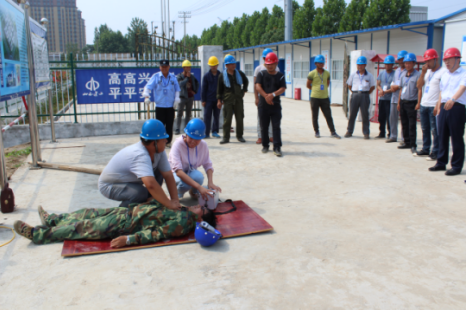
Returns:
(117,14)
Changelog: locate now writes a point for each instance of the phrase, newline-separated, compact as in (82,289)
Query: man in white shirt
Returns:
(451,114)
(430,78)
(395,88)
(256,95)
(361,84)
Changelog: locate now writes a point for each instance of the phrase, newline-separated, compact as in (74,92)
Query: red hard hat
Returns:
(430,54)
(451,53)
(271,58)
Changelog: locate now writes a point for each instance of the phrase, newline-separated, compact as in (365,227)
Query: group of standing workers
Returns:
(441,104)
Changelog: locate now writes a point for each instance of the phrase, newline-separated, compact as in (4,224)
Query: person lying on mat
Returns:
(136,173)
(188,153)
(138,224)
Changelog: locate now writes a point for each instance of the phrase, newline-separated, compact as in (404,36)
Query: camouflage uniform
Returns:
(232,103)
(144,223)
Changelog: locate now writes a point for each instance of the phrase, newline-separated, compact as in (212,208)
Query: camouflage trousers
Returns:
(91,224)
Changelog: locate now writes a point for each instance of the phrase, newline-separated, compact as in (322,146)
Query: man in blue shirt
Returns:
(166,94)
(384,80)
(209,98)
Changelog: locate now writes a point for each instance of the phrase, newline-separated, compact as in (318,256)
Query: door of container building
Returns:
(281,66)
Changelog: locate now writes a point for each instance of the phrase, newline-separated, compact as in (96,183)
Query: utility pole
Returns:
(173,37)
(185,14)
(288,20)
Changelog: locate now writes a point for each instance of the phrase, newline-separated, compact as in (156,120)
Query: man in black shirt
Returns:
(270,85)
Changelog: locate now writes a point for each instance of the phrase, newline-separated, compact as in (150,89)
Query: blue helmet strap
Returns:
(229,211)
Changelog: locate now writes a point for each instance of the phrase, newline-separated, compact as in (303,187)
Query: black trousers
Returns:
(166,116)
(409,121)
(384,116)
(324,105)
(268,113)
(451,124)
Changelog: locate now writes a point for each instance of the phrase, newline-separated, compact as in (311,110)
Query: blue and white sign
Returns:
(14,69)
(119,85)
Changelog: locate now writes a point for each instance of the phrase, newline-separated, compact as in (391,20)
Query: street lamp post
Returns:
(45,22)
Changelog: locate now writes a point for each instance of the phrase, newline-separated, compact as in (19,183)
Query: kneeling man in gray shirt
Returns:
(136,173)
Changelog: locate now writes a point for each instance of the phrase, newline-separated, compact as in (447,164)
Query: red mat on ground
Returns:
(243,221)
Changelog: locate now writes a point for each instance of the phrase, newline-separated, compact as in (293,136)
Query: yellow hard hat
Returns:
(213,61)
(226,56)
(186,63)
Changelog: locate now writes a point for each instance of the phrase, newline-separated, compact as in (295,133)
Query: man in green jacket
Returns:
(232,85)
(139,224)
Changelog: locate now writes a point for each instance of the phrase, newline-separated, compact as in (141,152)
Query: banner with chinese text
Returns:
(119,85)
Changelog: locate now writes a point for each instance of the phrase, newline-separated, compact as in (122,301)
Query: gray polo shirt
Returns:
(130,165)
(408,85)
(396,81)
(386,80)
(361,83)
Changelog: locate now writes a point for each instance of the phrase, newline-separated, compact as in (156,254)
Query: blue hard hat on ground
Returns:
(319,59)
(401,54)
(266,51)
(410,57)
(205,237)
(153,129)
(362,60)
(389,60)
(230,60)
(195,129)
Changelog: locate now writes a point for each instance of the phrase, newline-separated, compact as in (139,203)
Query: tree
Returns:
(239,30)
(352,19)
(386,12)
(328,19)
(138,26)
(221,34)
(260,27)
(97,34)
(275,30)
(231,33)
(246,36)
(303,19)
(113,42)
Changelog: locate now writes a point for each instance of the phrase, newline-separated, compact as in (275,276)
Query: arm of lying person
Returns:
(187,179)
(172,228)
(156,191)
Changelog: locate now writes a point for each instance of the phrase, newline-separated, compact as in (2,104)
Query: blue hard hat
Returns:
(362,60)
(319,59)
(410,57)
(401,54)
(205,237)
(153,129)
(266,51)
(389,60)
(230,60)
(195,129)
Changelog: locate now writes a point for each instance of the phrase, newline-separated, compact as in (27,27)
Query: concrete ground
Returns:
(357,225)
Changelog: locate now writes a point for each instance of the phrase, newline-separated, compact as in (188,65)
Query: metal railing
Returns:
(64,104)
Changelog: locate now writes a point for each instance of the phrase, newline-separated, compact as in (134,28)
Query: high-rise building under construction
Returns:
(66,25)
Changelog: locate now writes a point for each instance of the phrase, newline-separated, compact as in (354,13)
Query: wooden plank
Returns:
(68,168)
(243,221)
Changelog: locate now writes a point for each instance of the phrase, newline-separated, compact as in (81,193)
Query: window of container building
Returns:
(300,69)
(337,70)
